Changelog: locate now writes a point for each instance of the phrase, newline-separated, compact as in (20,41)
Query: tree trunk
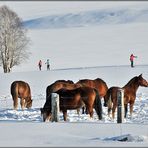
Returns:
(6,69)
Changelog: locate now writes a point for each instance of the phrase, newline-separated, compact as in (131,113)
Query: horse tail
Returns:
(98,105)
(14,90)
(107,98)
(14,93)
(110,103)
(49,90)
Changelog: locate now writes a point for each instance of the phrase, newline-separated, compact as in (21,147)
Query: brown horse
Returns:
(130,90)
(21,89)
(98,84)
(59,84)
(74,99)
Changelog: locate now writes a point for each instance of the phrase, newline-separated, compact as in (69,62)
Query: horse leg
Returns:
(113,111)
(22,102)
(109,111)
(65,115)
(90,111)
(86,110)
(131,109)
(78,111)
(25,103)
(109,104)
(126,110)
(15,102)
(83,110)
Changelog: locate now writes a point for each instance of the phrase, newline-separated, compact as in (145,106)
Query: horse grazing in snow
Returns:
(74,99)
(21,89)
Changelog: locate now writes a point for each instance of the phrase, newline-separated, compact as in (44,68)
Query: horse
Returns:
(130,90)
(21,89)
(74,99)
(99,84)
(59,84)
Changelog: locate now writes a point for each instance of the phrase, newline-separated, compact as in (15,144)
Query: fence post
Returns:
(120,106)
(55,107)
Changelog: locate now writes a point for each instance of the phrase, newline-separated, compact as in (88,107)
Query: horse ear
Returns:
(41,109)
(140,75)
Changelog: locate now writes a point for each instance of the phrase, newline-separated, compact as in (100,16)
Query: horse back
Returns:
(102,86)
(98,84)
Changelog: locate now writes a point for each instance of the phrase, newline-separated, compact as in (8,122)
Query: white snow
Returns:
(76,53)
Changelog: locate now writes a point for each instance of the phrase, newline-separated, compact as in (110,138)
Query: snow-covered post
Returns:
(55,107)
(120,106)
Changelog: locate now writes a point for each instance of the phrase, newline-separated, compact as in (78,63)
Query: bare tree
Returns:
(13,40)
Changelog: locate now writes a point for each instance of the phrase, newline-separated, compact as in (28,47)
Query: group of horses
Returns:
(85,93)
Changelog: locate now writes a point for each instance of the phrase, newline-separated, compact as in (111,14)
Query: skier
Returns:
(40,65)
(48,65)
(132,59)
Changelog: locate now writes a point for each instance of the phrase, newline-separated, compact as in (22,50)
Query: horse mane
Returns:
(134,79)
(83,80)
(65,81)
(98,79)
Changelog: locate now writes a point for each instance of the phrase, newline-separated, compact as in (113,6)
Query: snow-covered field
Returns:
(90,51)
(78,130)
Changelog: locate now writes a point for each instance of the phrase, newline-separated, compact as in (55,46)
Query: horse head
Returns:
(29,103)
(46,114)
(142,81)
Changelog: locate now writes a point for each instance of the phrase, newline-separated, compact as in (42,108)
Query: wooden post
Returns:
(55,107)
(120,106)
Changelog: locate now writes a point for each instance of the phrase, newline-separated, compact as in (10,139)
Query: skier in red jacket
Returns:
(132,59)
(40,65)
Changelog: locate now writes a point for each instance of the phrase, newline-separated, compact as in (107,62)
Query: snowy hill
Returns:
(89,18)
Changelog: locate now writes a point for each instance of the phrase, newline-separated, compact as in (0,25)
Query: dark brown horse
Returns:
(21,89)
(59,84)
(130,90)
(74,99)
(99,84)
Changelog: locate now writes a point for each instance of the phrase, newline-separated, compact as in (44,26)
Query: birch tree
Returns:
(13,40)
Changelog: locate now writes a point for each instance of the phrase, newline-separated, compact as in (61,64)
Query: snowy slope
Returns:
(89,18)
